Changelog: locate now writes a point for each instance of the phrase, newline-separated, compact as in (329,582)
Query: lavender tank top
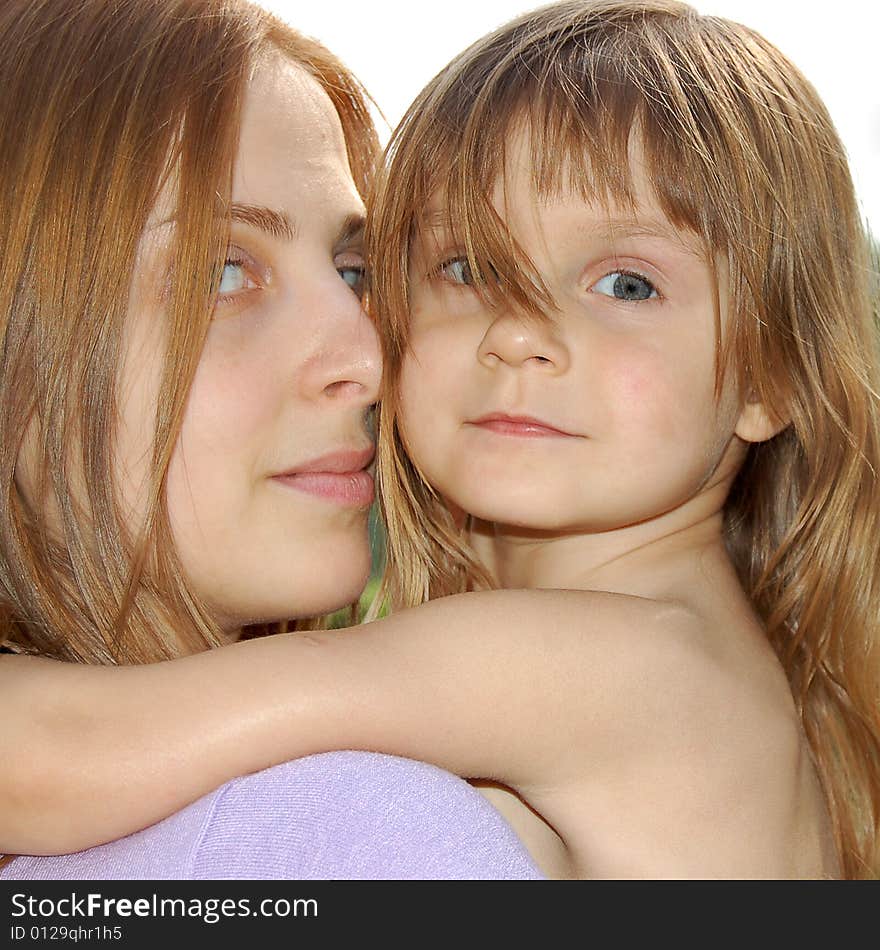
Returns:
(335,816)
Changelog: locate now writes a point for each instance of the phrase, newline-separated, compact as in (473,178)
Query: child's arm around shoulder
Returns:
(616,718)
(532,688)
(528,687)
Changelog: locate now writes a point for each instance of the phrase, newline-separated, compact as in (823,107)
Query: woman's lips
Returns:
(338,477)
(355,489)
(527,427)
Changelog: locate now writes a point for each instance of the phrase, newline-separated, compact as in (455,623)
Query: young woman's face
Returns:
(600,417)
(268,491)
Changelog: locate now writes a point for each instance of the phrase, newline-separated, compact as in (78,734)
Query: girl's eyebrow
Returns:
(439,219)
(435,218)
(612,228)
(639,227)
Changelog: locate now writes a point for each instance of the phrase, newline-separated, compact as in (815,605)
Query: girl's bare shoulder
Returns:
(692,760)
(629,645)
(633,725)
(621,672)
(670,670)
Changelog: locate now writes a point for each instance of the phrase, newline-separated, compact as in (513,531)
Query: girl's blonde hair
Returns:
(103,103)
(742,153)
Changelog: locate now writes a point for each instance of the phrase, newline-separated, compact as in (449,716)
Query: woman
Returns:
(184,467)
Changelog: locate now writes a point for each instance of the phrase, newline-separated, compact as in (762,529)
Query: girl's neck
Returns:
(643,560)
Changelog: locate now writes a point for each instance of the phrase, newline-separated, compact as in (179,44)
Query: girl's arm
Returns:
(532,688)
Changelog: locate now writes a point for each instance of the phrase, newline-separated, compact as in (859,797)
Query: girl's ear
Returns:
(757,422)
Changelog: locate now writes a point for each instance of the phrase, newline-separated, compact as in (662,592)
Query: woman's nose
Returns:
(524,342)
(348,365)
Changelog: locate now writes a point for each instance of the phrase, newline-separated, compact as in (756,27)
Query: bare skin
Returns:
(620,688)
(643,744)
(736,812)
(644,735)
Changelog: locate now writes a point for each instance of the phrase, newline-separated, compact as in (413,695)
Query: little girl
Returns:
(632,378)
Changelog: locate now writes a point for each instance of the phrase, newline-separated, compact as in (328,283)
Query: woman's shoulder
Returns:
(363,815)
(341,815)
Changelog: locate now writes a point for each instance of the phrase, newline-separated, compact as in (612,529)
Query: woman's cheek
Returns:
(225,404)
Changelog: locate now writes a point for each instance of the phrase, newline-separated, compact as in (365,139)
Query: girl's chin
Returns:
(528,509)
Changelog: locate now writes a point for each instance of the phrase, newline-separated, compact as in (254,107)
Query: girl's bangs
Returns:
(583,121)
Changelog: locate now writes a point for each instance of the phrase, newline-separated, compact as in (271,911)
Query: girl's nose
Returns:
(522,341)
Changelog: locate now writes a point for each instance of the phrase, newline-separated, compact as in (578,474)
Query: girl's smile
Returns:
(521,426)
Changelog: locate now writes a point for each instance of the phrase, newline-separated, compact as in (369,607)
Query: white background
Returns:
(395,47)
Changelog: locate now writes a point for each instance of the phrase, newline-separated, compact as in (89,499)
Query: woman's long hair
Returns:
(103,104)
(741,152)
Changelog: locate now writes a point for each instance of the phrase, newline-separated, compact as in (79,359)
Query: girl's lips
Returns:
(522,426)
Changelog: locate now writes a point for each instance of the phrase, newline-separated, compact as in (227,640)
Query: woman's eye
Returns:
(353,275)
(233,277)
(625,286)
(238,276)
(458,271)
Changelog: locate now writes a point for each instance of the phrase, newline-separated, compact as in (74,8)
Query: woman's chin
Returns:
(285,577)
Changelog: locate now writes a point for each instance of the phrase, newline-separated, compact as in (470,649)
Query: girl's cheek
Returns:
(431,353)
(649,397)
(417,384)
(638,383)
(637,387)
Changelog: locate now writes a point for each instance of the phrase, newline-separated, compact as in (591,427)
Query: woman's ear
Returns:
(757,422)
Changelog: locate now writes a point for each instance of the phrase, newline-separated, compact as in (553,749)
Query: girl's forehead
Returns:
(578,196)
(533,168)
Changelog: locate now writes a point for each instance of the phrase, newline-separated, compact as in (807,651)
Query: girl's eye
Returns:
(353,275)
(625,286)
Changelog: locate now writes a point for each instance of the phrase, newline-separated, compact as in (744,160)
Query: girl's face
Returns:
(268,491)
(600,417)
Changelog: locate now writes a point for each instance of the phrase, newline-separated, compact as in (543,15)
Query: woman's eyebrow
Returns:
(279,225)
(275,223)
(351,232)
